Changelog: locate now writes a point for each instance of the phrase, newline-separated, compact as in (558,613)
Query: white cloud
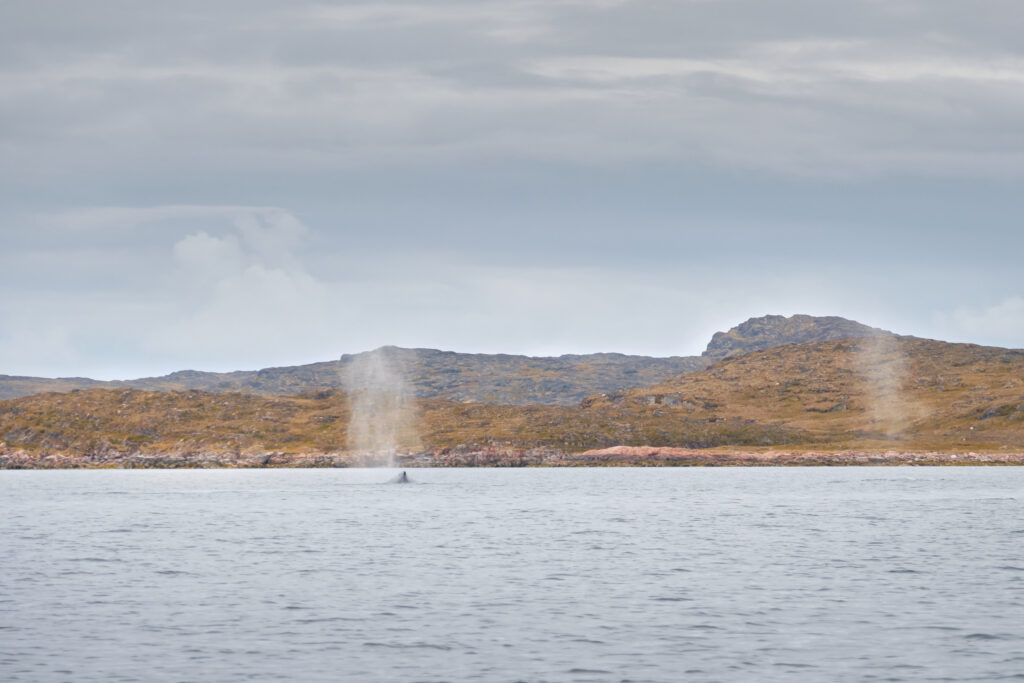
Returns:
(791,66)
(233,288)
(244,295)
(272,235)
(248,317)
(230,295)
(208,256)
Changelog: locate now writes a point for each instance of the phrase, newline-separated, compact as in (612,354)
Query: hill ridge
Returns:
(480,377)
(861,395)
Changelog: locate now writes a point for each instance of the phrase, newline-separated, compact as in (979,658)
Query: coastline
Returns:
(470,456)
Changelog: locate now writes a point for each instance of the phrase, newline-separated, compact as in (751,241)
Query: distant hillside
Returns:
(427,373)
(479,378)
(879,393)
(773,330)
(884,388)
(105,423)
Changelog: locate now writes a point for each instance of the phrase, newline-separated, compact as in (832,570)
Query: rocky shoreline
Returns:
(487,456)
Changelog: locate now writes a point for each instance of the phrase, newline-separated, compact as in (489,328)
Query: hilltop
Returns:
(774,330)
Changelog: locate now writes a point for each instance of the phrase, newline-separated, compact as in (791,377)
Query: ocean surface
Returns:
(735,574)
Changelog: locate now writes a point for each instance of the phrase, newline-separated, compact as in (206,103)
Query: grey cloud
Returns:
(312,86)
(335,176)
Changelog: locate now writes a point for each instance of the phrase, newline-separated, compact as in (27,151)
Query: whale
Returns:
(402,478)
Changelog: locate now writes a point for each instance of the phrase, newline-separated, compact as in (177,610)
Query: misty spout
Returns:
(381,418)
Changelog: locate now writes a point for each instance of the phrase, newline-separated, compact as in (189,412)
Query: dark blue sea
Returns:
(733,574)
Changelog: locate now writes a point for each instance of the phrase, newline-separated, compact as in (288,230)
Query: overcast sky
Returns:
(229,184)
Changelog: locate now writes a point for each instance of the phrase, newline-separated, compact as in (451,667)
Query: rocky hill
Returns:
(424,373)
(875,394)
(877,389)
(773,330)
(479,378)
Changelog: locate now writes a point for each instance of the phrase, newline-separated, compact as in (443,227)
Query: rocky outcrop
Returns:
(774,330)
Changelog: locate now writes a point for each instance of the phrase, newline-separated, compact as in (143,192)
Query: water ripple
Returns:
(534,575)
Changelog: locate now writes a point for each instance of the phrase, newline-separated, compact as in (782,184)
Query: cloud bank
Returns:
(237,184)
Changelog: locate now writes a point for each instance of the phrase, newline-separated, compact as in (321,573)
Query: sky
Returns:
(229,184)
